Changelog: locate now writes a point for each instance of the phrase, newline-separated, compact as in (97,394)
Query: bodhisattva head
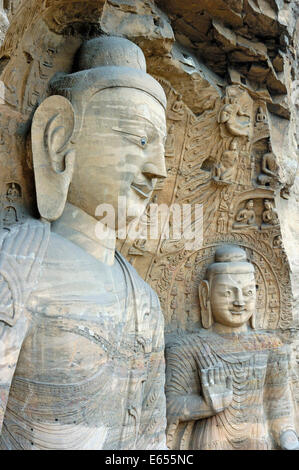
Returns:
(228,294)
(249,204)
(101,133)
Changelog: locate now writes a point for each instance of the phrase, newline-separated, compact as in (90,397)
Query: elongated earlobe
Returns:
(205,306)
(52,153)
(252,321)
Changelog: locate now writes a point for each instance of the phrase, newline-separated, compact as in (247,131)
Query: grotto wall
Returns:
(229,70)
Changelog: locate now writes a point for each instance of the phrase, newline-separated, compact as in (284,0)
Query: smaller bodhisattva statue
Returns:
(269,171)
(245,218)
(225,171)
(227,386)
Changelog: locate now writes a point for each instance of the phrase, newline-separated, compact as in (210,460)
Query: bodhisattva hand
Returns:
(217,389)
(289,440)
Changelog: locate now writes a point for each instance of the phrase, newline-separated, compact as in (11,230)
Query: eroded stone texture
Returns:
(230,74)
(82,349)
(228,386)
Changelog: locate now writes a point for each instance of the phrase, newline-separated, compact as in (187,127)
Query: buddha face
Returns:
(120,152)
(232,298)
(224,117)
(226,113)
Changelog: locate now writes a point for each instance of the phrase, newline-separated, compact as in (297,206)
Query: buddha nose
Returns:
(156,169)
(239,300)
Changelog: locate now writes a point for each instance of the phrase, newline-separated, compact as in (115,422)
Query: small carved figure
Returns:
(176,113)
(174,290)
(138,248)
(170,141)
(244,169)
(10,216)
(173,306)
(277,242)
(188,291)
(188,263)
(286,191)
(270,215)
(227,386)
(229,116)
(269,169)
(225,171)
(224,201)
(260,116)
(13,192)
(222,222)
(246,217)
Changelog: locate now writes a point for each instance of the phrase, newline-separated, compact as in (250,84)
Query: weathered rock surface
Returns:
(229,69)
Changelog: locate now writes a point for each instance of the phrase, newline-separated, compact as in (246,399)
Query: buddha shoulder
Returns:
(138,283)
(22,249)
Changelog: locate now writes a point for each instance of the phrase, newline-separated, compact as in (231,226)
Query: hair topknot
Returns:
(106,62)
(108,51)
(229,259)
(229,253)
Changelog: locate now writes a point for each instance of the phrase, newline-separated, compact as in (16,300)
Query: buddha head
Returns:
(249,204)
(228,294)
(225,114)
(100,134)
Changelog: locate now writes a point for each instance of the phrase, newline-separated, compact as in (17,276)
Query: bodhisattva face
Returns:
(225,116)
(233,298)
(119,152)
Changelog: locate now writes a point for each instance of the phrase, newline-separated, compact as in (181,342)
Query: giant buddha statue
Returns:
(227,386)
(82,349)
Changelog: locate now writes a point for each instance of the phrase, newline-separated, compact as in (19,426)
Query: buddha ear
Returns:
(205,305)
(252,321)
(53,158)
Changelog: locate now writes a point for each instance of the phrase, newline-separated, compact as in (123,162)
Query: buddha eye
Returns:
(249,293)
(143,141)
(137,139)
(227,293)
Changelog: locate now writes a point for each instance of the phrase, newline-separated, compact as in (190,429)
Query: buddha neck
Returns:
(80,228)
(224,329)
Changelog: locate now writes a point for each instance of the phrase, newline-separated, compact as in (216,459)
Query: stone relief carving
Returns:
(261,117)
(235,117)
(225,172)
(269,174)
(199,149)
(201,144)
(227,386)
(246,217)
(81,332)
(208,119)
(270,215)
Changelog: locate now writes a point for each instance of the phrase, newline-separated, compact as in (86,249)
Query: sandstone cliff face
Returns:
(207,54)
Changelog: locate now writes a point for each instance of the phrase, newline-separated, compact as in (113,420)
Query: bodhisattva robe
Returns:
(261,407)
(81,348)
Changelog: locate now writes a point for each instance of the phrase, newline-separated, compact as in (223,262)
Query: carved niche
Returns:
(216,162)
(201,145)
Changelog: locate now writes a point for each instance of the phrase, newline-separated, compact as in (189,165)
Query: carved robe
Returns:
(82,349)
(261,407)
